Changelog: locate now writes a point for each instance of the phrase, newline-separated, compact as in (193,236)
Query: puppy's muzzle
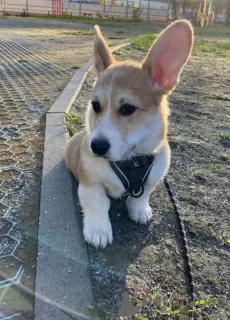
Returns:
(100,147)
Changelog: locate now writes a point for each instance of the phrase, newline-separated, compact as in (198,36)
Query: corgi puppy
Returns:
(125,139)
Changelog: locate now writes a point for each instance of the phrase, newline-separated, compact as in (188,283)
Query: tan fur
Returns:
(129,76)
(145,86)
(103,56)
(77,147)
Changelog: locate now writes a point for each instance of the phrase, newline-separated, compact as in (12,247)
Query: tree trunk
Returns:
(228,15)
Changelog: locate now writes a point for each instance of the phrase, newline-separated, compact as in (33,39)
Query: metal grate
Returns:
(32,76)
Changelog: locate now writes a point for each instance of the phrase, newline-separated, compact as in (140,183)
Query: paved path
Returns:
(35,66)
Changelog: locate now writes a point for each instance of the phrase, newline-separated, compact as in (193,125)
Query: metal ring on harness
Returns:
(136,193)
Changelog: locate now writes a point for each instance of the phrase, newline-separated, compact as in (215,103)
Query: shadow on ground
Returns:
(141,260)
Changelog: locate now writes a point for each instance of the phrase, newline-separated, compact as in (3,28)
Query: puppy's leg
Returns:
(139,209)
(97,227)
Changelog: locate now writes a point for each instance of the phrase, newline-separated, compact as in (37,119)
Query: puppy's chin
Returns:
(124,156)
(110,157)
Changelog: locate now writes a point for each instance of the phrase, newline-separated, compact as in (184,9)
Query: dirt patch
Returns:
(142,275)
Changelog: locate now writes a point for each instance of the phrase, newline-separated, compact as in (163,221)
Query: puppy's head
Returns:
(128,113)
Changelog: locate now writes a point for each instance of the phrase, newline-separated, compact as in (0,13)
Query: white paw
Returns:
(139,214)
(98,231)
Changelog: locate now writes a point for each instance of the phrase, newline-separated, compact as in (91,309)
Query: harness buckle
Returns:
(137,192)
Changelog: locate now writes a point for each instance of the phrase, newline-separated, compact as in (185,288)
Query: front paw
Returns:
(139,214)
(98,231)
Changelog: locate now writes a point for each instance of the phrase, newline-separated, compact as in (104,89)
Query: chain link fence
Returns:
(145,10)
(32,75)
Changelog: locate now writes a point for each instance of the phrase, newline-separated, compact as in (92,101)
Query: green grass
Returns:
(219,48)
(143,43)
(162,309)
(116,37)
(79,33)
(225,136)
(68,18)
(212,31)
(71,121)
(190,308)
(75,67)
(208,42)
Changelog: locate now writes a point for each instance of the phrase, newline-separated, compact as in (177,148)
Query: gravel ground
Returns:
(148,259)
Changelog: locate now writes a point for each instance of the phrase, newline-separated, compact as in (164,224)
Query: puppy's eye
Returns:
(127,110)
(96,106)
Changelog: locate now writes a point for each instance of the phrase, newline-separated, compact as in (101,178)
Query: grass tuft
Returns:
(78,33)
(206,42)
(75,67)
(71,121)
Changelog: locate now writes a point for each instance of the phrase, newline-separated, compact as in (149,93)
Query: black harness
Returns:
(133,173)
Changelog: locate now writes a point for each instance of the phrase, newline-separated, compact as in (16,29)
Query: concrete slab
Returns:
(63,287)
(69,94)
(62,281)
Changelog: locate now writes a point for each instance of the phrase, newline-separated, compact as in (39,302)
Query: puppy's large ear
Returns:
(103,55)
(168,55)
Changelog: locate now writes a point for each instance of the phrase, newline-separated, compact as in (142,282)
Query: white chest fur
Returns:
(100,171)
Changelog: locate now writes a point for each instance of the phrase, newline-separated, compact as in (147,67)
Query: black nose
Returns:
(100,146)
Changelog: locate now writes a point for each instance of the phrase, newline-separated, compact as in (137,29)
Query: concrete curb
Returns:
(63,287)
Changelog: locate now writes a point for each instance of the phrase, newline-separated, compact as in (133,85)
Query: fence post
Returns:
(168,12)
(104,8)
(80,8)
(148,10)
(127,8)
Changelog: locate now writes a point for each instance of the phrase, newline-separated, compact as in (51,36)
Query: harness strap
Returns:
(133,173)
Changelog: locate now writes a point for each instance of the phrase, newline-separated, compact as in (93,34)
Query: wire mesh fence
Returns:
(33,73)
(145,10)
